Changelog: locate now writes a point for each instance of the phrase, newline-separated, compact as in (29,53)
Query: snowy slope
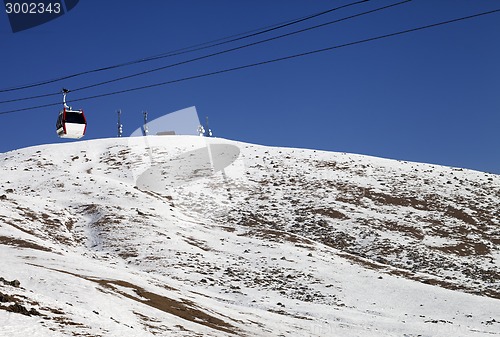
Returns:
(189,236)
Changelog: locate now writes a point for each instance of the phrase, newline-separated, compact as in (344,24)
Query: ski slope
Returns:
(190,236)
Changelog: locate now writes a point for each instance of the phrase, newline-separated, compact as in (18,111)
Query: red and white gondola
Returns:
(70,123)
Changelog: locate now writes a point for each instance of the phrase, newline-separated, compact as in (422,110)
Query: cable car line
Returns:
(380,37)
(210,55)
(193,48)
(237,48)
(252,33)
(29,98)
(216,53)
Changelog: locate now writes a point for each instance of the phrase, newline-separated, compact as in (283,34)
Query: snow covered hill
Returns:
(191,236)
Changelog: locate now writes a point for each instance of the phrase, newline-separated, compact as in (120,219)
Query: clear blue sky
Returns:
(429,96)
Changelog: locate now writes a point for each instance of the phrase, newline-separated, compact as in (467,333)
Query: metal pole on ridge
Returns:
(145,127)
(120,126)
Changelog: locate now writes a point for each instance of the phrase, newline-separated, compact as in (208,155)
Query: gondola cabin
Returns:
(71,123)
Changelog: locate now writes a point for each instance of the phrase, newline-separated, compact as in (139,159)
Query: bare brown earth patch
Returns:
(466,249)
(329,212)
(5,240)
(276,236)
(16,226)
(184,309)
(404,229)
(460,215)
(197,243)
(425,204)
